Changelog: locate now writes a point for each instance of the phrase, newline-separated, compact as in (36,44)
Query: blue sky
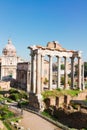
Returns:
(30,22)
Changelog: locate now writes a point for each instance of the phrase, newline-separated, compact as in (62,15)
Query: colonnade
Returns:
(37,68)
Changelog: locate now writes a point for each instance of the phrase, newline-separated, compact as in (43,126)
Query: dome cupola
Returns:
(9,49)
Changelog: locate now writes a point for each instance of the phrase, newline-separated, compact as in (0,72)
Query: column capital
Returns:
(79,57)
(65,57)
(50,55)
(59,56)
(72,58)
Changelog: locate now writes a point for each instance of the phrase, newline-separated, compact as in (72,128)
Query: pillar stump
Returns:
(35,102)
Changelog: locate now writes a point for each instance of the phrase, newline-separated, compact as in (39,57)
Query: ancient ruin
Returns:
(53,49)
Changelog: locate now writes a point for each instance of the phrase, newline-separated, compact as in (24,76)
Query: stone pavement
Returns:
(32,121)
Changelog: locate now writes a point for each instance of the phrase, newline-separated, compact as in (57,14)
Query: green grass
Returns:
(6,116)
(1,98)
(5,113)
(72,92)
(15,119)
(7,125)
(46,114)
(59,92)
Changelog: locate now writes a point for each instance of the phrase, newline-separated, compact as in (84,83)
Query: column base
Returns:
(35,102)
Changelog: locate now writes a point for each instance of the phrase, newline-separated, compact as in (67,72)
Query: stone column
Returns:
(38,73)
(28,81)
(33,73)
(31,89)
(79,73)
(65,73)
(1,72)
(72,72)
(42,72)
(83,85)
(50,72)
(58,71)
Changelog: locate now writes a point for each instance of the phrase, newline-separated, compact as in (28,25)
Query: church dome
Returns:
(9,49)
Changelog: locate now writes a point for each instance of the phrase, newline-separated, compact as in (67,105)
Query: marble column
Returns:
(42,72)
(79,73)
(65,73)
(31,88)
(38,74)
(58,71)
(1,72)
(33,75)
(72,72)
(50,72)
(28,81)
(83,85)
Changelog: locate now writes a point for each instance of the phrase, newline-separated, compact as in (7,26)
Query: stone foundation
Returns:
(64,101)
(35,102)
(4,85)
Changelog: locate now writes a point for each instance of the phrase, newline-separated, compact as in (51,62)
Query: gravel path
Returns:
(34,122)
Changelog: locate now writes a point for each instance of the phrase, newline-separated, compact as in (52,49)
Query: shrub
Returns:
(15,96)
(24,95)
(5,113)
(13,91)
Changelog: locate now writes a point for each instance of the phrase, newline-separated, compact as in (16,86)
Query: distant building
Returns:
(23,76)
(8,62)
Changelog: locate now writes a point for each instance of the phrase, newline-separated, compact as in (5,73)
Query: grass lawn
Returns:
(59,92)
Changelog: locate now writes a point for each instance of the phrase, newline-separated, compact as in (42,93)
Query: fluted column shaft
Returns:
(38,73)
(50,72)
(32,73)
(72,72)
(28,81)
(83,85)
(65,73)
(58,72)
(42,72)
